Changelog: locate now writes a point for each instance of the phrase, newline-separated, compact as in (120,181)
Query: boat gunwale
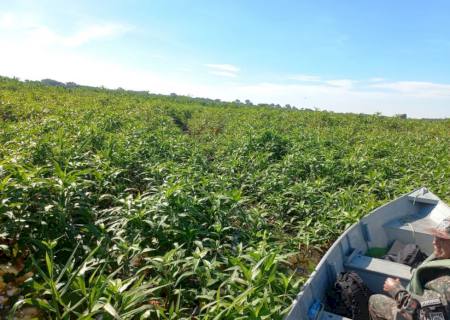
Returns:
(335,246)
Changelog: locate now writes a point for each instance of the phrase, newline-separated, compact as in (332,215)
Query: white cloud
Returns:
(13,22)
(93,32)
(341,99)
(224,74)
(224,70)
(223,67)
(304,78)
(341,83)
(376,79)
(7,20)
(27,28)
(415,88)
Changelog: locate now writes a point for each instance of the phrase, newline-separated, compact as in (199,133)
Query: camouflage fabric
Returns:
(382,307)
(405,305)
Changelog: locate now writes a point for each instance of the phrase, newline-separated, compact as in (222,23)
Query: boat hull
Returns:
(406,219)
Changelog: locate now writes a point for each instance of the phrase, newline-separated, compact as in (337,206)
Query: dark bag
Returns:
(349,297)
(410,255)
(432,310)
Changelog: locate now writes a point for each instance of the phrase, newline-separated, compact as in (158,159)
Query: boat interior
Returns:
(402,221)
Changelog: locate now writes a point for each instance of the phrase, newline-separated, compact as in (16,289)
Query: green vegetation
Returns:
(130,205)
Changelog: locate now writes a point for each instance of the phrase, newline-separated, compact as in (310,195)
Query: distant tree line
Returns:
(184,98)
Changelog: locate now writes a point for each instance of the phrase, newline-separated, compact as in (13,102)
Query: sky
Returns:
(360,56)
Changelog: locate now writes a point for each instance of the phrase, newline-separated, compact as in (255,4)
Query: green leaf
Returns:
(110,309)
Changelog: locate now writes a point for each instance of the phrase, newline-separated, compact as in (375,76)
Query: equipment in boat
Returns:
(407,219)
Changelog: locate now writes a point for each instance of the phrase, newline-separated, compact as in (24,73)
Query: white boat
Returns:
(406,219)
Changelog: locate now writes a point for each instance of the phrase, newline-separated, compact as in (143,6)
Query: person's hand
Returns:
(391,284)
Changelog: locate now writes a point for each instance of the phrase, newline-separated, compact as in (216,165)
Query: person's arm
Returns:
(406,304)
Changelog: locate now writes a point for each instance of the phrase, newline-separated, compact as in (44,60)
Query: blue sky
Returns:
(345,56)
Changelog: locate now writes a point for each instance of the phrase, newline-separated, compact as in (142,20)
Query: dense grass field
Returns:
(122,205)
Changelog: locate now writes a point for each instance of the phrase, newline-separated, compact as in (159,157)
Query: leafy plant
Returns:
(170,207)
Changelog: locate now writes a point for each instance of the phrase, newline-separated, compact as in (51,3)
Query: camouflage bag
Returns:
(432,310)
(349,297)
